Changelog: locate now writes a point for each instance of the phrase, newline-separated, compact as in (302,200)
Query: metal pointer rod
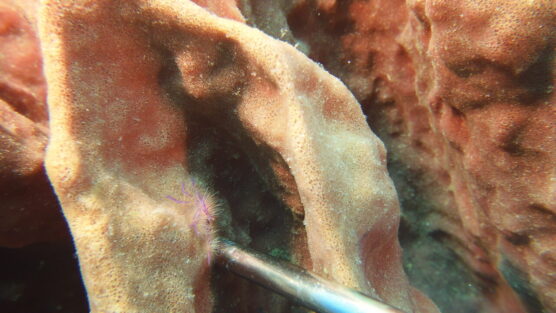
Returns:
(295,283)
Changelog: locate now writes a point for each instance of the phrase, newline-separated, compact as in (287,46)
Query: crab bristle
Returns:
(176,200)
(202,201)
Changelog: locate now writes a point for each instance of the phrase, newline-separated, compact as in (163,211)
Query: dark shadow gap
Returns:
(222,154)
(41,278)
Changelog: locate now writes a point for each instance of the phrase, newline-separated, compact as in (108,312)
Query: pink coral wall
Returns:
(462,95)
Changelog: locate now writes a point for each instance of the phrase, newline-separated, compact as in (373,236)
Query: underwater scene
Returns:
(260,156)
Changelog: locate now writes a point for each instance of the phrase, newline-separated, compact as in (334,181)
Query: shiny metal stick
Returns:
(296,283)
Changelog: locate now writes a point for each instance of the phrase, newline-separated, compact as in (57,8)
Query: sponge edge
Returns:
(123,79)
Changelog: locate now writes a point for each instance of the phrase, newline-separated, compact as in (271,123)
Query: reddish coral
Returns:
(462,95)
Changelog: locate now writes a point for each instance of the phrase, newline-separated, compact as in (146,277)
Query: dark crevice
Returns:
(519,282)
(320,30)
(226,51)
(335,22)
(429,255)
(543,211)
(256,217)
(469,67)
(537,79)
(513,143)
(455,146)
(527,88)
(240,171)
(22,102)
(439,235)
(41,278)
(518,239)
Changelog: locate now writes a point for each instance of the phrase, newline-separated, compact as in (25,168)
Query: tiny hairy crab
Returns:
(203,204)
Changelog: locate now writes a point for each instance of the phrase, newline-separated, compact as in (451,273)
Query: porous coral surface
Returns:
(462,95)
(145,94)
(148,96)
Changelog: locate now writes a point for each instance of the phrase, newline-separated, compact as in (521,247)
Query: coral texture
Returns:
(24,133)
(146,94)
(461,92)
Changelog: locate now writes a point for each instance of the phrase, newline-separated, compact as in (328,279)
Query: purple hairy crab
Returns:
(204,217)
